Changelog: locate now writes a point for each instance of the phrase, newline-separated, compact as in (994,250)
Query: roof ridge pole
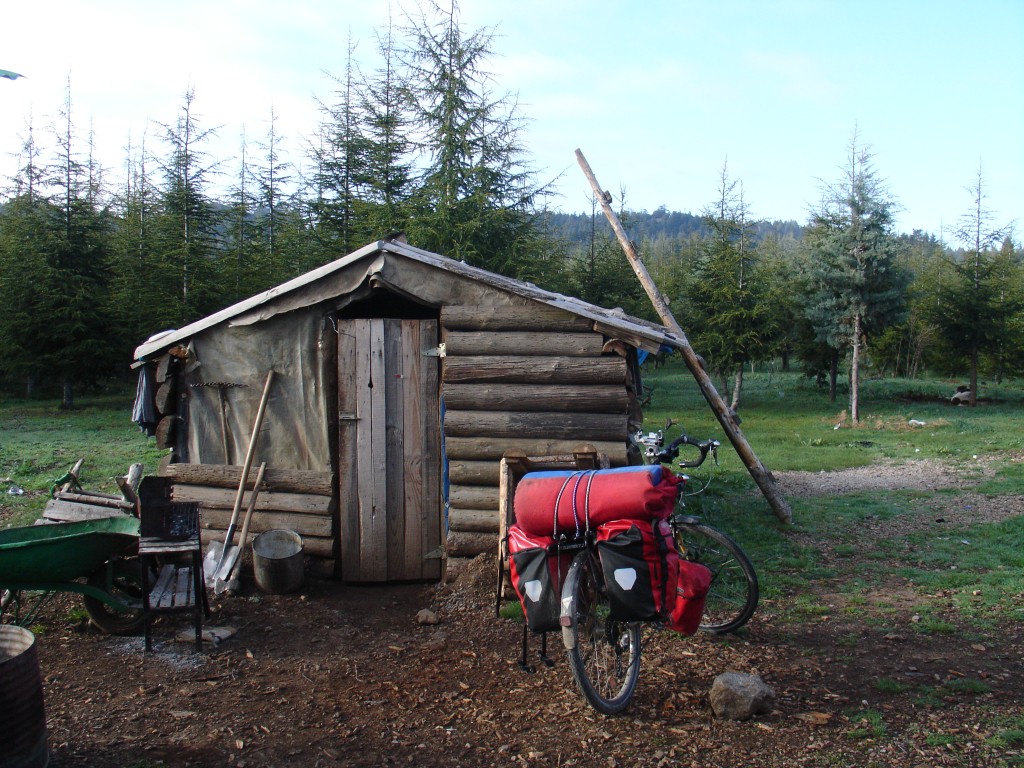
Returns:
(764,479)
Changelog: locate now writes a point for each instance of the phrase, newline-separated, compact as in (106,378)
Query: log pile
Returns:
(532,381)
(168,400)
(295,499)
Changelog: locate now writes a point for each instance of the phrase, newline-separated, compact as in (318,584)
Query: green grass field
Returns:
(788,421)
(791,425)
(39,443)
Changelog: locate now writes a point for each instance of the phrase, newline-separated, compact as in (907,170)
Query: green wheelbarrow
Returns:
(94,558)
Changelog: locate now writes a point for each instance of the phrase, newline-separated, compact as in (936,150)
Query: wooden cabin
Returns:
(401,378)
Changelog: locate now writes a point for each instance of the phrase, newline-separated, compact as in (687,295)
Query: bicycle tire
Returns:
(604,656)
(734,592)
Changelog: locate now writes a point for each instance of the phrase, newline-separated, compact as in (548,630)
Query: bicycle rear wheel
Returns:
(734,592)
(604,655)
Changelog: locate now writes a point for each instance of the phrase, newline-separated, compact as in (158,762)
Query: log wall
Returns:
(298,500)
(530,380)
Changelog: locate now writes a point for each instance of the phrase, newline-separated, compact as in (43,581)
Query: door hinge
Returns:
(438,351)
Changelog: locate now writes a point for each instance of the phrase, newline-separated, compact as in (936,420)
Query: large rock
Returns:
(737,696)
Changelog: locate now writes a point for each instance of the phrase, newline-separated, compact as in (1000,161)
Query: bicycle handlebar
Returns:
(671,453)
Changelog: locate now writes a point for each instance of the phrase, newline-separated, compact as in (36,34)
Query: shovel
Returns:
(217,551)
(227,574)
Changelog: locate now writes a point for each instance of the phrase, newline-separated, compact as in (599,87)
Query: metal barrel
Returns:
(22,714)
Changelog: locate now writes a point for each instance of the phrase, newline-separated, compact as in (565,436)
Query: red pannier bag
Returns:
(633,563)
(688,584)
(591,498)
(538,572)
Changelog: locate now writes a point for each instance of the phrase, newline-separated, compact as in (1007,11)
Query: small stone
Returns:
(738,696)
(427,617)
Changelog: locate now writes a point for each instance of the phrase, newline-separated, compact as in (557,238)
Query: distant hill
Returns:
(661,224)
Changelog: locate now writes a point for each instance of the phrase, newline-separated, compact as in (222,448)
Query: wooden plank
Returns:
(304,525)
(582,398)
(395,437)
(69,512)
(473,520)
(473,497)
(553,425)
(409,558)
(179,597)
(158,595)
(531,317)
(493,448)
(506,489)
(430,510)
(348,434)
(469,343)
(527,369)
(373,500)
(224,498)
(230,475)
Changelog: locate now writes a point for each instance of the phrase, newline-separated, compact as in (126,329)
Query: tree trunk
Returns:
(855,373)
(764,479)
(737,388)
(67,398)
(973,399)
(833,372)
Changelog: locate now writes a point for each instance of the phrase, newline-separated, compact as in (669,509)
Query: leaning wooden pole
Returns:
(757,470)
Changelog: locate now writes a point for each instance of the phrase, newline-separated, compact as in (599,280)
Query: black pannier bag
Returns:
(633,567)
(537,578)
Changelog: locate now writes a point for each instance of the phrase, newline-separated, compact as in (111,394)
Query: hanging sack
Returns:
(632,562)
(571,502)
(538,571)
(688,584)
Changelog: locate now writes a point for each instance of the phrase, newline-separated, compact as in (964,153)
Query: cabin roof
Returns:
(294,294)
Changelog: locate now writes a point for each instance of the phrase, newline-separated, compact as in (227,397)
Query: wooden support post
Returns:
(757,470)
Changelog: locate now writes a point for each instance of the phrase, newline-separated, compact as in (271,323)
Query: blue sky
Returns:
(657,94)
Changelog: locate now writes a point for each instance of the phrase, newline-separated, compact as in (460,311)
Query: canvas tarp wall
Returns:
(294,433)
(294,335)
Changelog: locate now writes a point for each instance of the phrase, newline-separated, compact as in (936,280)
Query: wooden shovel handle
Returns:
(251,507)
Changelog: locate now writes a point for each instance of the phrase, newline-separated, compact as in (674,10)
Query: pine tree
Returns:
(977,304)
(341,173)
(386,104)
(857,287)
(185,229)
(476,201)
(730,321)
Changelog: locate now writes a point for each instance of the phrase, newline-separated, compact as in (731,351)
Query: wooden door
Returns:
(389,469)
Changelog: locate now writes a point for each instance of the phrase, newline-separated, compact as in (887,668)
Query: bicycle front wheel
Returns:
(604,655)
(733,595)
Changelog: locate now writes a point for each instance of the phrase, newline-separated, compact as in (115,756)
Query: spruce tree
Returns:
(857,288)
(729,319)
(978,307)
(185,230)
(477,200)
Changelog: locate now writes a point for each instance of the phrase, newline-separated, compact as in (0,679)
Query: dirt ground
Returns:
(344,675)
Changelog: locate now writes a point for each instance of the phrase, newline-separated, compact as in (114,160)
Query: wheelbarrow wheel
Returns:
(126,586)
